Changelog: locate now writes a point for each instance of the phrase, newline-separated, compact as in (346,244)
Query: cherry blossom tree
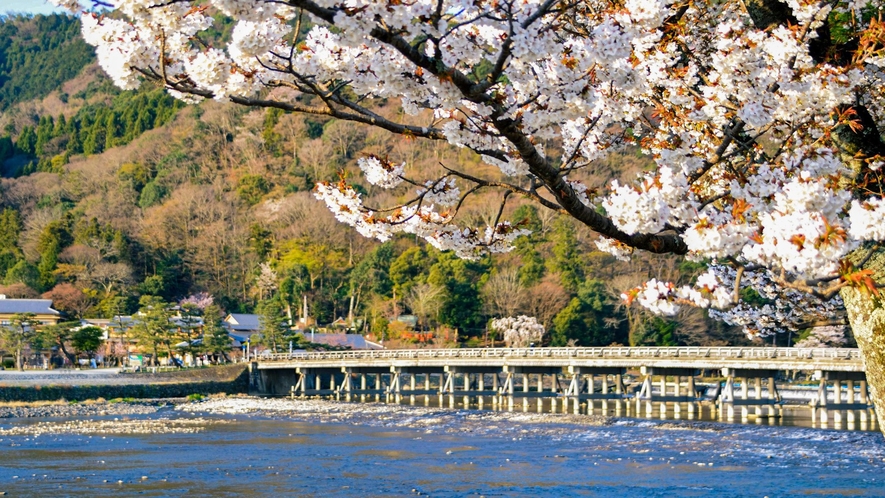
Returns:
(762,119)
(200,300)
(519,332)
(828,336)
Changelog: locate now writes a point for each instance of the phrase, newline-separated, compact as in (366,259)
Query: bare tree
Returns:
(503,293)
(425,301)
(343,136)
(315,159)
(111,275)
(545,300)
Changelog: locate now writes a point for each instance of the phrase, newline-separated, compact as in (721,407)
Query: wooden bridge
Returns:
(576,375)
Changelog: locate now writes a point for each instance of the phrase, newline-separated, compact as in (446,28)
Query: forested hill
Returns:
(38,54)
(109,196)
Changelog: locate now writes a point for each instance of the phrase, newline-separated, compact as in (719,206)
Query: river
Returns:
(250,447)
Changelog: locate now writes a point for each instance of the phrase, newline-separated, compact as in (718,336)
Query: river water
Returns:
(321,448)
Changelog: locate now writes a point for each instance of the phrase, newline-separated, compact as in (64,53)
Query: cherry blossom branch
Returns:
(503,185)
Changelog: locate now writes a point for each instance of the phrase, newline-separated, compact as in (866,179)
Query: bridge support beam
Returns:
(582,386)
(843,401)
(728,400)
(647,394)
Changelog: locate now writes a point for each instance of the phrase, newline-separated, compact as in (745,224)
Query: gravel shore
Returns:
(93,409)
(109,427)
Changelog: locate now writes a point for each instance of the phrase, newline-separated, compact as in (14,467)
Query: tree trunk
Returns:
(64,351)
(867,318)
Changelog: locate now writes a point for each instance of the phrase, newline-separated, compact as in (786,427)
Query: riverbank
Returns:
(114,377)
(72,385)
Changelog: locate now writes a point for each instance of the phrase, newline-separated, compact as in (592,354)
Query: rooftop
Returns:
(353,341)
(36,306)
(242,322)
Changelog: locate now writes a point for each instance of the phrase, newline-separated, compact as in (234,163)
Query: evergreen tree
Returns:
(87,339)
(216,339)
(10,228)
(275,334)
(590,319)
(18,334)
(23,272)
(7,148)
(112,130)
(61,124)
(566,260)
(406,269)
(27,141)
(43,133)
(462,281)
(58,336)
(152,329)
(46,268)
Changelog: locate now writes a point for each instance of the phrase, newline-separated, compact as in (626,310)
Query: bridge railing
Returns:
(575,353)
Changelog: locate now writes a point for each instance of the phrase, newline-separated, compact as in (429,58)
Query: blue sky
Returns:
(27,6)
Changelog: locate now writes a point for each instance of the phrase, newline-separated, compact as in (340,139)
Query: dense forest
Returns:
(112,197)
(37,55)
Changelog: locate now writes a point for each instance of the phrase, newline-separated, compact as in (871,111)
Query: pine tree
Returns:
(152,329)
(10,228)
(272,325)
(215,337)
(47,266)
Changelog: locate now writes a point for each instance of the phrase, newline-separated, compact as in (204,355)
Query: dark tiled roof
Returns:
(38,306)
(353,341)
(242,321)
(241,337)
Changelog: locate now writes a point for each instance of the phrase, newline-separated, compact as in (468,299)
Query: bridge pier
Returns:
(526,372)
(582,386)
(413,373)
(843,401)
(364,374)
(472,381)
(308,382)
(729,401)
(646,392)
(525,390)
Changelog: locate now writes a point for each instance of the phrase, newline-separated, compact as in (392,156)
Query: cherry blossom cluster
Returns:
(200,300)
(442,193)
(381,172)
(421,220)
(664,298)
(519,332)
(827,336)
(619,250)
(775,308)
(783,309)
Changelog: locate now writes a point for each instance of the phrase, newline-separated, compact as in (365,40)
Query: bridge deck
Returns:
(824,359)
